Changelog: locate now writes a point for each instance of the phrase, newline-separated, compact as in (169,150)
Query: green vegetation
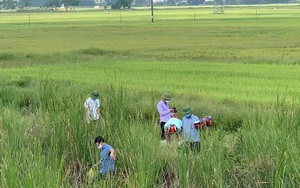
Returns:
(239,67)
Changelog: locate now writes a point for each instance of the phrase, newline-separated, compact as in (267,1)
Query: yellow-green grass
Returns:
(51,140)
(234,36)
(259,83)
(242,70)
(193,55)
(187,50)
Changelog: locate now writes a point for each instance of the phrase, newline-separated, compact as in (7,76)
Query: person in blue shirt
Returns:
(107,157)
(190,133)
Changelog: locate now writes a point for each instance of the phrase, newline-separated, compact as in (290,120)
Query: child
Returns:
(107,157)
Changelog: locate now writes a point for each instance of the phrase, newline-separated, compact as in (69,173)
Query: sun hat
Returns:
(186,110)
(167,96)
(95,94)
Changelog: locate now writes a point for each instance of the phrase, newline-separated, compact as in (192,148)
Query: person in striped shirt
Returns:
(92,107)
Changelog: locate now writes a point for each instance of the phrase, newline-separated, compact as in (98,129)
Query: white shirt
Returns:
(92,106)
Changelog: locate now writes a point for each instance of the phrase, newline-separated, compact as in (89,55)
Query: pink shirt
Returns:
(164,111)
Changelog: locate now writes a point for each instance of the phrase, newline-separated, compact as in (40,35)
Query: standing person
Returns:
(165,112)
(173,126)
(191,134)
(92,105)
(107,157)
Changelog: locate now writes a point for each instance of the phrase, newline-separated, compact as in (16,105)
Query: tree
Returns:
(53,3)
(140,2)
(24,3)
(121,4)
(68,3)
(195,2)
(252,1)
(87,3)
(171,2)
(9,4)
(104,4)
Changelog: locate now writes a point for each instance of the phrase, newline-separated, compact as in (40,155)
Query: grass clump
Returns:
(96,51)
(5,56)
(56,139)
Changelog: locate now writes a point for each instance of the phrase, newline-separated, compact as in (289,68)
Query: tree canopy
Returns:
(121,4)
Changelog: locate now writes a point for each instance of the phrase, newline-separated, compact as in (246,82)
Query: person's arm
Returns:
(161,111)
(86,105)
(98,107)
(204,120)
(179,125)
(98,111)
(112,154)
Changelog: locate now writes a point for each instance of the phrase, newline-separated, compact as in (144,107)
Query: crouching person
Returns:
(172,127)
(107,157)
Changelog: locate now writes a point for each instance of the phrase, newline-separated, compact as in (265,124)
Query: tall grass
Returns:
(52,146)
(44,140)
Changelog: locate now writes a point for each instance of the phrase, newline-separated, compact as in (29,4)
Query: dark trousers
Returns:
(195,146)
(162,124)
(110,174)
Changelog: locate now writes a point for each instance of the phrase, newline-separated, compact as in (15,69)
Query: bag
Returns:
(172,129)
(199,123)
(208,121)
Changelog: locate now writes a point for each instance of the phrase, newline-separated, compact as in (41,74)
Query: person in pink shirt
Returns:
(165,112)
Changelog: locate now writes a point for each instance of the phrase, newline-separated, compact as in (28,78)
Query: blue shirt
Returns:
(173,121)
(190,133)
(106,163)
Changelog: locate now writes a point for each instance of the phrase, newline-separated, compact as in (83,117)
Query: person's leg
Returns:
(111,174)
(181,131)
(195,146)
(101,176)
(167,136)
(191,144)
(162,124)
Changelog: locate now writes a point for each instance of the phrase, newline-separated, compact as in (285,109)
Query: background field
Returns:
(241,67)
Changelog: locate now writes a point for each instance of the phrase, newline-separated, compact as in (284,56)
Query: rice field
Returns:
(241,67)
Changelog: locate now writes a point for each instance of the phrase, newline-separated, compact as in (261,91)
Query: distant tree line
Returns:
(225,2)
(12,4)
(122,4)
(55,4)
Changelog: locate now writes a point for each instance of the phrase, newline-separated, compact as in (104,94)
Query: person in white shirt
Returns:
(92,105)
